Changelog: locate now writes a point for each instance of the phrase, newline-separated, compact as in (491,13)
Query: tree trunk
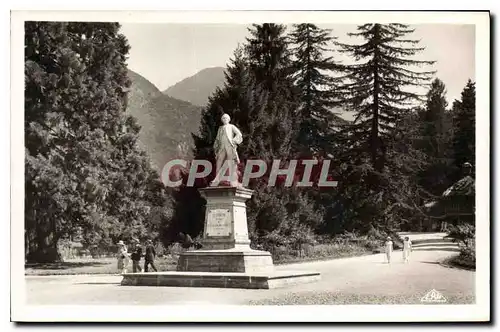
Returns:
(43,249)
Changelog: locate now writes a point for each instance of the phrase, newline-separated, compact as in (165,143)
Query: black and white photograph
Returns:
(250,162)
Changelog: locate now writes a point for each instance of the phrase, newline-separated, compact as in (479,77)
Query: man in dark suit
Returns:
(149,258)
(136,256)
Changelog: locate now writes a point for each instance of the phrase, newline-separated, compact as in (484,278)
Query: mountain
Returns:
(174,122)
(197,88)
(166,123)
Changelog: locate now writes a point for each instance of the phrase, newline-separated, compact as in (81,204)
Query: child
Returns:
(136,256)
(406,249)
(388,249)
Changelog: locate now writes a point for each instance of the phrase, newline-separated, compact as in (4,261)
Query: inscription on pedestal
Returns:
(219,222)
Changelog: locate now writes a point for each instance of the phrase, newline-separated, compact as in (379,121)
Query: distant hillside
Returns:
(197,88)
(166,122)
(173,123)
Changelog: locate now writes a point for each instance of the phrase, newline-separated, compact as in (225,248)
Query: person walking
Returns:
(122,257)
(149,258)
(388,249)
(136,256)
(406,249)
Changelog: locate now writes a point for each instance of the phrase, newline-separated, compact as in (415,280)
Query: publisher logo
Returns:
(433,297)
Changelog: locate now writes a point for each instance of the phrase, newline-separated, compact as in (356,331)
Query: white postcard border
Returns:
(21,311)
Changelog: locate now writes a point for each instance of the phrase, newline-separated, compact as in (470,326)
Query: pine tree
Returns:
(267,54)
(379,164)
(435,139)
(240,97)
(313,77)
(260,98)
(464,128)
(270,63)
(83,167)
(377,88)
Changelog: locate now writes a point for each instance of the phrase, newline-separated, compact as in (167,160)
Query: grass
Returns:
(92,266)
(319,252)
(169,262)
(461,261)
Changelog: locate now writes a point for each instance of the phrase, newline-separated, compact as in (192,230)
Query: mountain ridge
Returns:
(198,87)
(166,122)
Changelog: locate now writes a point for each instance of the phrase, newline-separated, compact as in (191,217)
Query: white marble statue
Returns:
(227,159)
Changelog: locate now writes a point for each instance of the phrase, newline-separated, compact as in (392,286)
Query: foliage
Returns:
(466,259)
(464,234)
(260,97)
(434,141)
(84,169)
(86,172)
(464,115)
(380,164)
(317,87)
(284,255)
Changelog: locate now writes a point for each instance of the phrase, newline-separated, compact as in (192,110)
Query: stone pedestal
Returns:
(226,218)
(226,259)
(226,247)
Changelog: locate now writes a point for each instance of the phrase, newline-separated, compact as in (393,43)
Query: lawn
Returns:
(169,262)
(92,266)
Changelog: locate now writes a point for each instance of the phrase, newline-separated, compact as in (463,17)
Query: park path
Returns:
(356,280)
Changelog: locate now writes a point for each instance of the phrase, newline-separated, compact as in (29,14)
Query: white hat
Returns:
(120,243)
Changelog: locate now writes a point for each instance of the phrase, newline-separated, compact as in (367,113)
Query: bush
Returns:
(463,234)
(286,254)
(373,245)
(160,249)
(375,234)
(466,259)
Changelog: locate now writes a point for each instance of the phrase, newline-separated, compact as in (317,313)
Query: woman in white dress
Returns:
(388,249)
(406,249)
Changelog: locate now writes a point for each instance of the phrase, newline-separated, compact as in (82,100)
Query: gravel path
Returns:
(357,280)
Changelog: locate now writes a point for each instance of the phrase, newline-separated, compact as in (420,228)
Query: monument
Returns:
(226,259)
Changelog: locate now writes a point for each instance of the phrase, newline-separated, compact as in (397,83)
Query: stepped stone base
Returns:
(230,260)
(226,260)
(220,279)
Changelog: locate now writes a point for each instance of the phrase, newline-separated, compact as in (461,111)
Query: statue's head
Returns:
(225,118)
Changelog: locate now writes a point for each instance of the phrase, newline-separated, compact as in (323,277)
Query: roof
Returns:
(463,187)
(461,193)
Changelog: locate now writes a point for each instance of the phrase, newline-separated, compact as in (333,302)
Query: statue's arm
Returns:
(238,137)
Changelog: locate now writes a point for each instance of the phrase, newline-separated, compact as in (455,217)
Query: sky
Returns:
(167,53)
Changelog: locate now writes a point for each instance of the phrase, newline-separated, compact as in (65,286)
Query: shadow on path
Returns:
(98,283)
(426,262)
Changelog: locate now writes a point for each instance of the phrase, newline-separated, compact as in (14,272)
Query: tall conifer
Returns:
(380,88)
(313,75)
(464,128)
(84,169)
